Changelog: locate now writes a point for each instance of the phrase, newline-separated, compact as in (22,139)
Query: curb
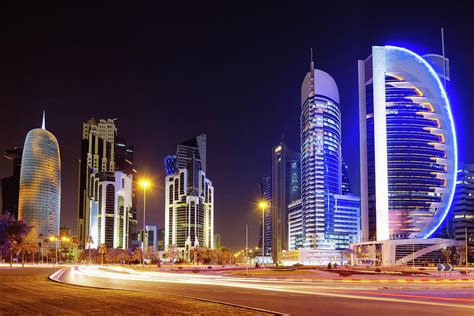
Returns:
(463,281)
(52,277)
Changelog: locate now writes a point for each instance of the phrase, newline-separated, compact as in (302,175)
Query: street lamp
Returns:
(263,204)
(144,183)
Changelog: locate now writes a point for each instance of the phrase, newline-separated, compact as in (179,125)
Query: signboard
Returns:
(444,267)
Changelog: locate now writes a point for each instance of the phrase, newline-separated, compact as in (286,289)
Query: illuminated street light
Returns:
(263,204)
(144,183)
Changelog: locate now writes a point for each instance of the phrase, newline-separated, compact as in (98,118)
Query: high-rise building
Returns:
(295,225)
(266,194)
(110,202)
(152,237)
(124,162)
(11,185)
(97,155)
(161,239)
(463,205)
(408,148)
(286,176)
(170,164)
(189,200)
(321,159)
(40,182)
(345,184)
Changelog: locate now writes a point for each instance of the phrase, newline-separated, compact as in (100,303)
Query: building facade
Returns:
(295,225)
(266,194)
(189,200)
(408,148)
(39,201)
(286,179)
(97,155)
(463,205)
(11,185)
(110,202)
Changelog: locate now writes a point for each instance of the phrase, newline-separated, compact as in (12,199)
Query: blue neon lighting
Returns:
(453,132)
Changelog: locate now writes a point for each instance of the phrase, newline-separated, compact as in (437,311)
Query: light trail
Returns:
(264,285)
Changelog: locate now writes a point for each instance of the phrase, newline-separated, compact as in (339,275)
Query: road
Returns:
(295,298)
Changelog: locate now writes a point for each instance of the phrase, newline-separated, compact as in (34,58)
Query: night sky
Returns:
(169,73)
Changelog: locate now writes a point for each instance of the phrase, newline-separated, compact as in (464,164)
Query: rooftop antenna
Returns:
(43,124)
(444,59)
(311,75)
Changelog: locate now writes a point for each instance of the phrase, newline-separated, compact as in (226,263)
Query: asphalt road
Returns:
(295,298)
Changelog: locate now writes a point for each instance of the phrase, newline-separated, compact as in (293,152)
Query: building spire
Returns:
(43,124)
(311,75)
(311,64)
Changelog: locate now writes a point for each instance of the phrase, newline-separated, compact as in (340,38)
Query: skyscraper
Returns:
(286,178)
(463,205)
(408,148)
(189,200)
(11,185)
(110,201)
(266,194)
(320,158)
(97,155)
(40,182)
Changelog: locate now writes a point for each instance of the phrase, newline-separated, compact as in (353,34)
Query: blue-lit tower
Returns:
(320,158)
(408,144)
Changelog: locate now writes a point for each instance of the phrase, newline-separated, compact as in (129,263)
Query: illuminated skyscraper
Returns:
(40,182)
(320,158)
(408,144)
(189,200)
(266,194)
(97,155)
(286,188)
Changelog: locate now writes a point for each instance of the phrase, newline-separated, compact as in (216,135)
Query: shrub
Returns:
(209,267)
(195,270)
(329,266)
(345,273)
(378,270)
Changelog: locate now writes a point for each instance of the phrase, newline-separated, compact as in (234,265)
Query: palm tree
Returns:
(102,252)
(89,242)
(447,252)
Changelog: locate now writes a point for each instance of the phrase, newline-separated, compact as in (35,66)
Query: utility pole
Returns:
(467,251)
(247,249)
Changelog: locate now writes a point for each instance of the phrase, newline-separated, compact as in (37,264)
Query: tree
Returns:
(89,242)
(102,252)
(28,246)
(112,255)
(151,254)
(12,234)
(138,255)
(447,252)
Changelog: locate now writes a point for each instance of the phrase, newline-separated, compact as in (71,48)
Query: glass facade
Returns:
(320,156)
(405,105)
(40,182)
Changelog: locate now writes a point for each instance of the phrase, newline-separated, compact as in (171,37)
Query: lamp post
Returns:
(55,240)
(263,205)
(144,184)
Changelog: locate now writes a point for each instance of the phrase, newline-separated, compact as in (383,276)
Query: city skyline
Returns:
(68,106)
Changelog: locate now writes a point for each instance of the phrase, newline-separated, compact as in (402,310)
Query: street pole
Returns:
(263,236)
(144,225)
(247,249)
(467,251)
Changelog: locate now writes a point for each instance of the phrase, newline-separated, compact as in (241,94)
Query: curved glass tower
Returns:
(320,158)
(40,182)
(408,144)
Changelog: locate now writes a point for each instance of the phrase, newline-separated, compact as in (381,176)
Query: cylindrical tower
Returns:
(40,182)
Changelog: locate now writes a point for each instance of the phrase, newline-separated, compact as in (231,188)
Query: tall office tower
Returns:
(286,177)
(345,184)
(152,237)
(97,155)
(124,162)
(463,205)
(194,147)
(408,148)
(189,200)
(295,225)
(40,182)
(320,157)
(170,165)
(11,185)
(266,194)
(110,202)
